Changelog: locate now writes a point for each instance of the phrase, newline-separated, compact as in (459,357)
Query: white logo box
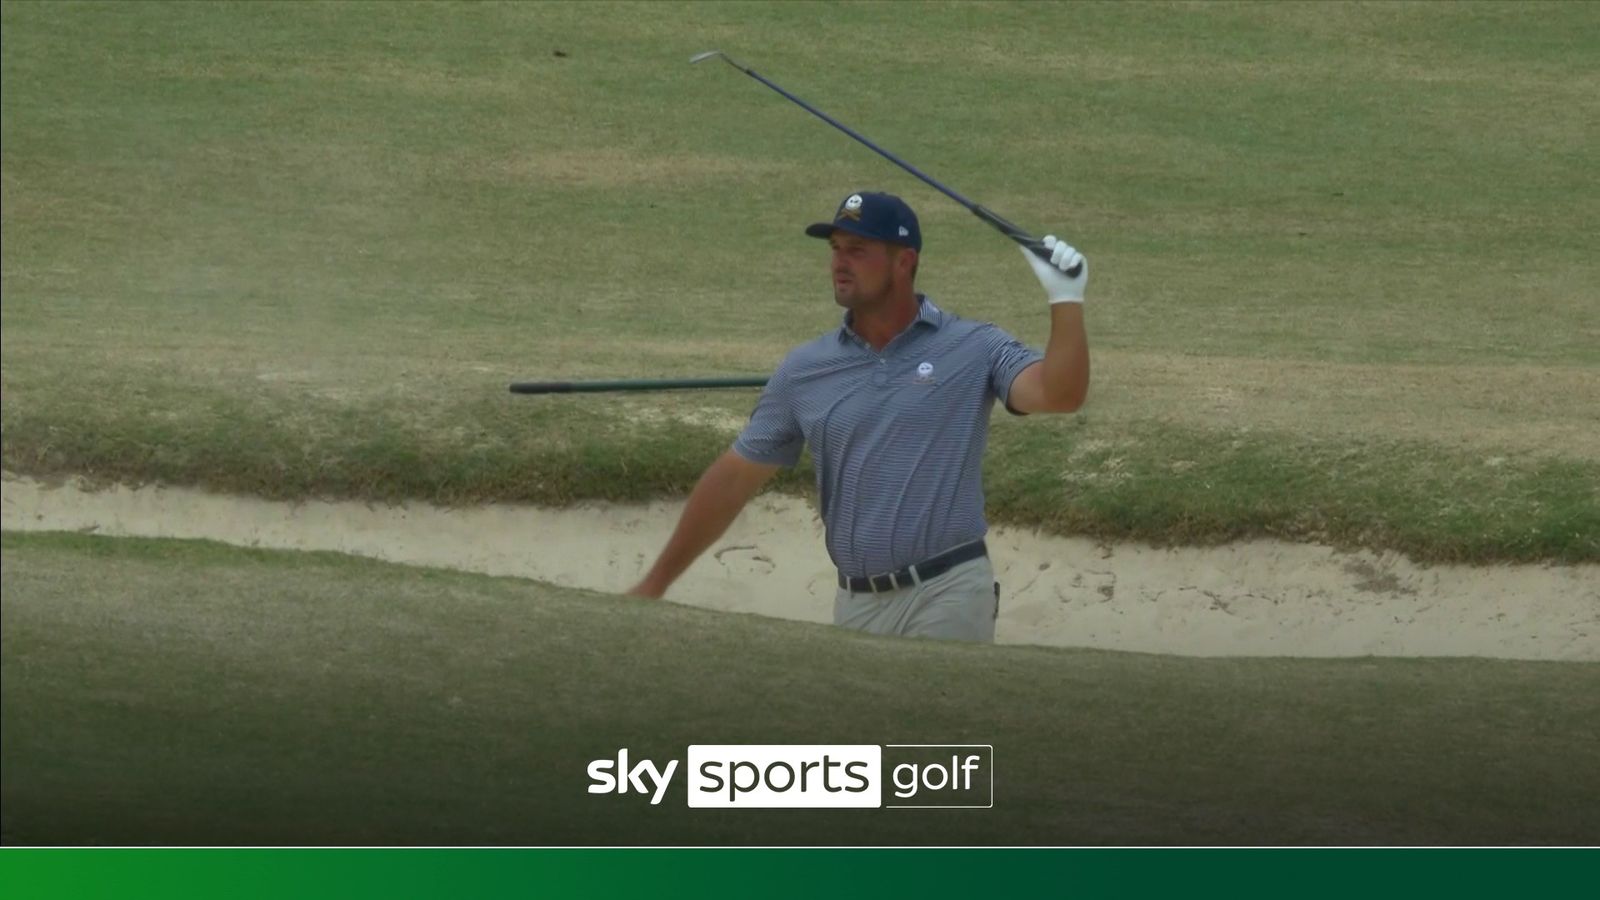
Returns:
(785,776)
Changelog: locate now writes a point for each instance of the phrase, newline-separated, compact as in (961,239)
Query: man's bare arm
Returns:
(724,489)
(1060,382)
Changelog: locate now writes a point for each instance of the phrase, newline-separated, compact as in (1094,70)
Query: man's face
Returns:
(865,272)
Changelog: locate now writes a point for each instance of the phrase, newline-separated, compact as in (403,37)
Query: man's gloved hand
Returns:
(1058,285)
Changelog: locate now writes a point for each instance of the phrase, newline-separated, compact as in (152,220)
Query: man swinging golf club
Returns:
(895,405)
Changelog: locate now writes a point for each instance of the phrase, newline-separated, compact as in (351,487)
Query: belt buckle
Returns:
(872,582)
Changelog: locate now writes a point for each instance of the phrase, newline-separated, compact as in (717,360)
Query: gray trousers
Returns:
(960,604)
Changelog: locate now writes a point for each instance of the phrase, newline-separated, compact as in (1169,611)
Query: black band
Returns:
(926,570)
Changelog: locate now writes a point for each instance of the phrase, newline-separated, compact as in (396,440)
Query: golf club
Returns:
(1000,224)
(666,384)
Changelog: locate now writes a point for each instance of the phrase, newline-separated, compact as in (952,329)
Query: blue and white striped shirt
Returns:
(897,437)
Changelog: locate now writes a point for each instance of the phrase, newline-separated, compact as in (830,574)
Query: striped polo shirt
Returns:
(897,437)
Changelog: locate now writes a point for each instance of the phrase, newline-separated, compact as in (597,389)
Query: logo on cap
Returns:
(874,216)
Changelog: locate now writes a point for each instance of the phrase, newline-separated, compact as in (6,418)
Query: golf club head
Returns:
(702,57)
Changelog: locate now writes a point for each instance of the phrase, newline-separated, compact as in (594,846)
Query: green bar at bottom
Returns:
(709,873)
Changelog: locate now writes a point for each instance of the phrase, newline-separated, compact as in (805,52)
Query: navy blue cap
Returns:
(879,217)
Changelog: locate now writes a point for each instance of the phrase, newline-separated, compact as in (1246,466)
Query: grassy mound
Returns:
(186,692)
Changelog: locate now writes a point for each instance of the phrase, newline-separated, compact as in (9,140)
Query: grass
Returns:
(301,248)
(1145,481)
(178,692)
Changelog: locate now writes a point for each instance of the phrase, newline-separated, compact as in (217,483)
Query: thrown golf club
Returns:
(1006,228)
(663,384)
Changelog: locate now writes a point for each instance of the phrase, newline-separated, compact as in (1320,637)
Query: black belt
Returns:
(924,571)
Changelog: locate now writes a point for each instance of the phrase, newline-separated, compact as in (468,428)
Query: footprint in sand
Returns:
(744,559)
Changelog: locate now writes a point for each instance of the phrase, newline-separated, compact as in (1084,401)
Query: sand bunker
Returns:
(1248,599)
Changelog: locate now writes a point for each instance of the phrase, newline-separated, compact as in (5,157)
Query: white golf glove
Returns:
(1058,285)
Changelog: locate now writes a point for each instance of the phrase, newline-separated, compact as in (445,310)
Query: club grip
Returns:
(541,387)
(1028,241)
(1037,248)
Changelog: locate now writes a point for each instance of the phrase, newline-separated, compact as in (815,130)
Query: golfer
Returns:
(895,405)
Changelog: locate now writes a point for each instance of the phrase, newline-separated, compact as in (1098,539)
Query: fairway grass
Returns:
(1340,287)
(185,692)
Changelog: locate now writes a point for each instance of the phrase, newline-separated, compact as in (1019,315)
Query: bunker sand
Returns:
(1258,598)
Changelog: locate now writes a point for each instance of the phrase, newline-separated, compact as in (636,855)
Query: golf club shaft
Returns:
(995,220)
(667,384)
(928,179)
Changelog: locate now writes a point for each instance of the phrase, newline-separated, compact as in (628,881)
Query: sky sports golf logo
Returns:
(810,776)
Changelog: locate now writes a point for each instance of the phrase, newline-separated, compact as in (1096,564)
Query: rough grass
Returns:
(289,248)
(1145,480)
(187,692)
